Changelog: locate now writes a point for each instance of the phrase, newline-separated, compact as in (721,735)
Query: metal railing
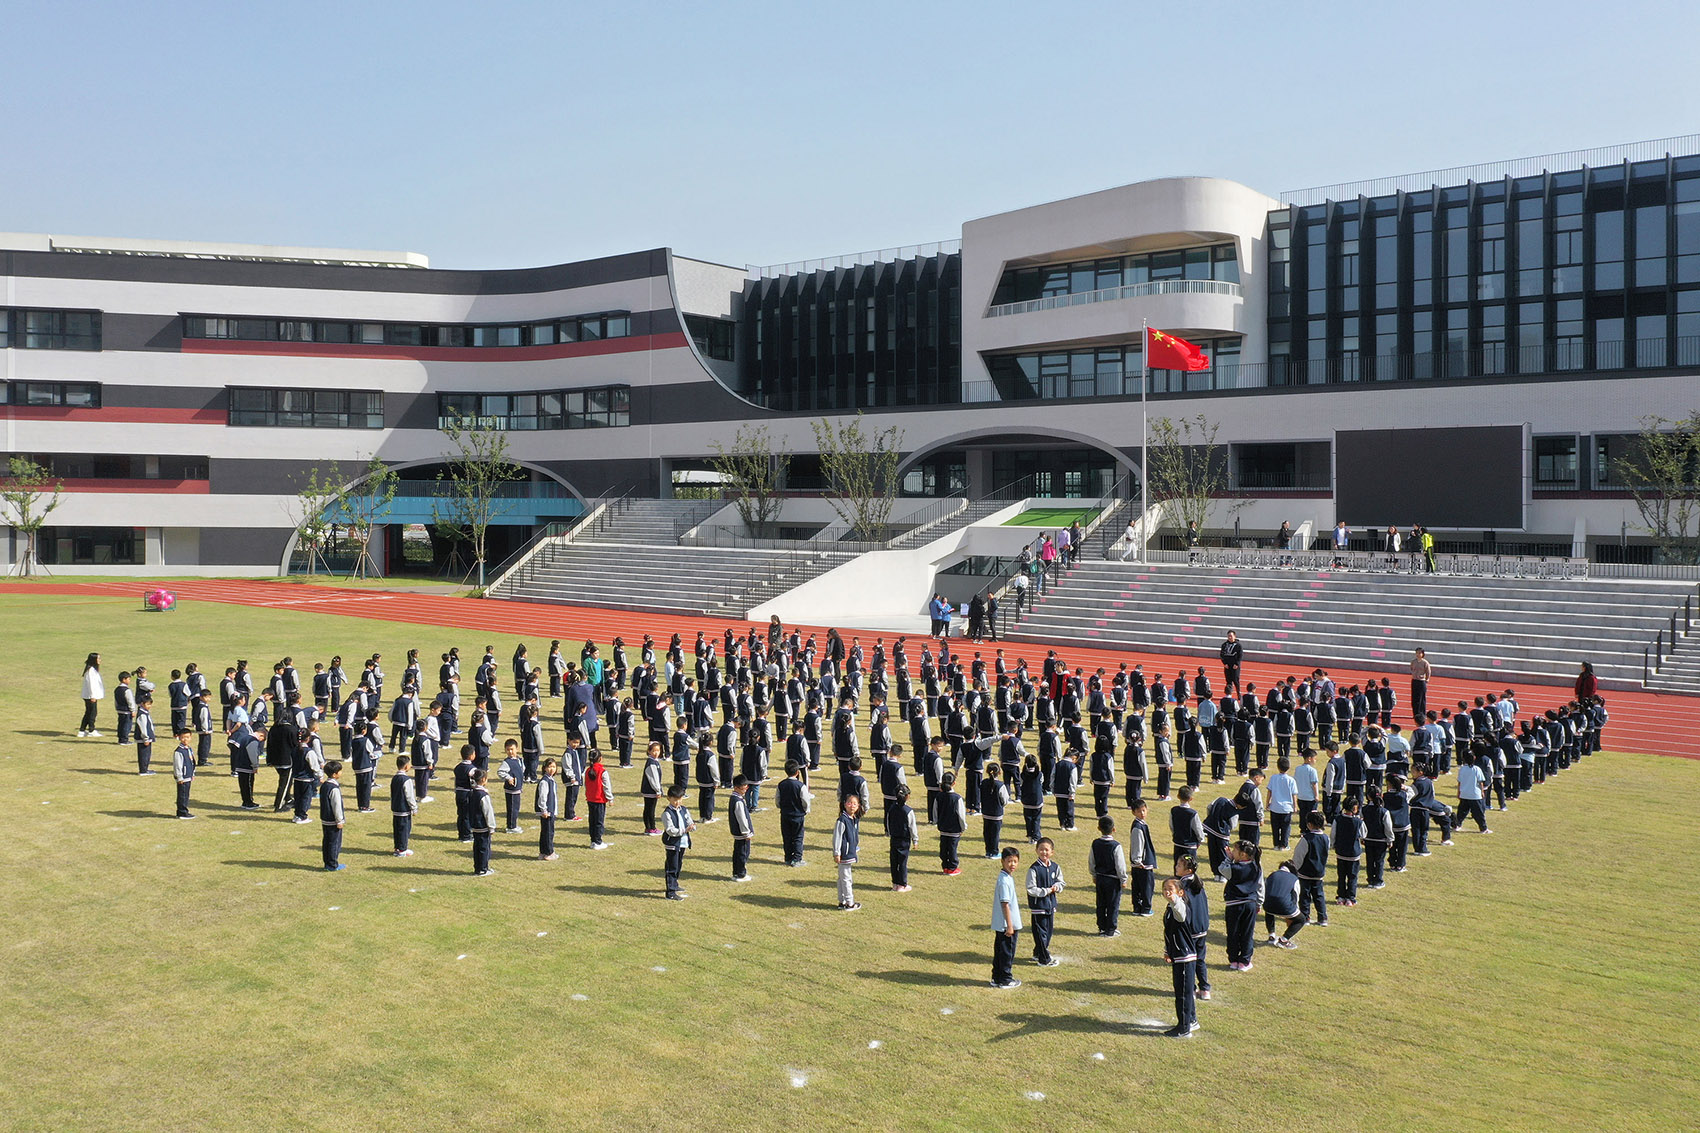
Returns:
(1556,568)
(512,490)
(1496,170)
(854,259)
(1125,291)
(552,536)
(1662,646)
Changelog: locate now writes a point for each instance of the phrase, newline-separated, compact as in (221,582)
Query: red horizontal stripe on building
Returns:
(149,487)
(672,341)
(116,414)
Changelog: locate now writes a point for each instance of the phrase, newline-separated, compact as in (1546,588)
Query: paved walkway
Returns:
(1655,722)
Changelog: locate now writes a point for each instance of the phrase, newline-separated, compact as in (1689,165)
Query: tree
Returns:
(478,467)
(1187,468)
(754,473)
(1661,469)
(861,474)
(363,505)
(313,511)
(25,505)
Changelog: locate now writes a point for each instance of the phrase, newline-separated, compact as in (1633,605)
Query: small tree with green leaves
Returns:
(1661,469)
(754,472)
(1187,468)
(478,468)
(28,495)
(314,512)
(363,505)
(860,467)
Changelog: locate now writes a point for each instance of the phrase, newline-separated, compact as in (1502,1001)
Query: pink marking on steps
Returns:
(1377,653)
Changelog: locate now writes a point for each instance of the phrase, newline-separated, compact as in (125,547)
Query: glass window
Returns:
(399,335)
(1608,250)
(1650,268)
(294,330)
(1198,263)
(589,330)
(1168,265)
(336,332)
(617,326)
(542,334)
(1555,462)
(1224,264)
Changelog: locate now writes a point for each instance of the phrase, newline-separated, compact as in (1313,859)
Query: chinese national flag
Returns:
(1166,352)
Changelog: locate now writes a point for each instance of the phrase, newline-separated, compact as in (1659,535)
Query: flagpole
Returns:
(1144,381)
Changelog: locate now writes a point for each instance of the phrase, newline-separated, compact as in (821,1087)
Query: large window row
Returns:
(1104,372)
(1582,462)
(49,330)
(581,328)
(95,546)
(1019,285)
(603,407)
(1589,268)
(73,395)
(121,466)
(307,408)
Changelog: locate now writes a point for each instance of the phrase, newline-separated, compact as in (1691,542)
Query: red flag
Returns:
(1166,352)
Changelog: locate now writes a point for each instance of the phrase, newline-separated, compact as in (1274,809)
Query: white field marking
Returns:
(658,968)
(462,956)
(793,926)
(46,802)
(799,1079)
(236,831)
(258,883)
(335,909)
(1099,1057)
(731,946)
(1034,1096)
(875,1044)
(947,1011)
(545,932)
(579,996)
(1147,1021)
(413,890)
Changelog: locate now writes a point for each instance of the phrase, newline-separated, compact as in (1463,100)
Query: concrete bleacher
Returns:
(632,560)
(1536,629)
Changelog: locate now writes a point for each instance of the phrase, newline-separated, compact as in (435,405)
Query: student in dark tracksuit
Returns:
(952,821)
(901,834)
(793,802)
(994,797)
(548,806)
(183,770)
(1142,862)
(144,734)
(742,829)
(1109,876)
(1348,852)
(483,825)
(1198,908)
(675,838)
(1044,882)
(330,815)
(1242,894)
(1281,900)
(465,785)
(1221,826)
(1178,951)
(1378,836)
(404,804)
(511,773)
(1310,859)
(651,788)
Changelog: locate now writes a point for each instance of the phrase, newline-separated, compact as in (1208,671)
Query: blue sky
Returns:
(498,135)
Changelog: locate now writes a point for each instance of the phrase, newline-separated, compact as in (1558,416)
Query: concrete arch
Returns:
(401,465)
(956,440)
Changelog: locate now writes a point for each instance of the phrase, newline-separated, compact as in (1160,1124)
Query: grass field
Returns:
(1052,517)
(166,975)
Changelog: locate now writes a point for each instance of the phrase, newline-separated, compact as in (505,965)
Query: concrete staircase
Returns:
(938,528)
(1531,629)
(632,560)
(1681,670)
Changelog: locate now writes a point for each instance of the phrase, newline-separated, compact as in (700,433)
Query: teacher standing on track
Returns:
(1231,652)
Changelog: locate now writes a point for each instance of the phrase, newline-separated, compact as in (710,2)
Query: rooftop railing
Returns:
(1496,170)
(854,259)
(1126,291)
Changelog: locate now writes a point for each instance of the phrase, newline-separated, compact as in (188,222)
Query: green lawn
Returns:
(167,975)
(1052,517)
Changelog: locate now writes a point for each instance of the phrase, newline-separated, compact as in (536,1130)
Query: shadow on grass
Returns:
(410,870)
(100,770)
(773,901)
(277,865)
(928,979)
(616,891)
(948,957)
(1024,1024)
(50,734)
(139,814)
(1112,987)
(1148,961)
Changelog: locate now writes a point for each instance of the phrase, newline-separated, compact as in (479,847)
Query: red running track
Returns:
(1658,723)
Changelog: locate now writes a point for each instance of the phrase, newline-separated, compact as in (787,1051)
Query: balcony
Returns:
(1126,291)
